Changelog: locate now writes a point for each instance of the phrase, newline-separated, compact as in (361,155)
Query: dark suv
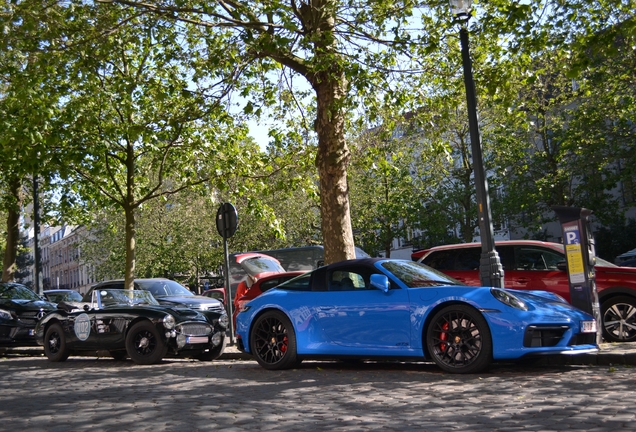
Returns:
(535,265)
(20,310)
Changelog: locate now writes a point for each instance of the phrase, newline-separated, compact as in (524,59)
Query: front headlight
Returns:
(4,314)
(508,298)
(169,322)
(224,321)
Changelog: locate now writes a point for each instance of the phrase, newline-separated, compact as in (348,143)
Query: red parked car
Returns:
(260,272)
(535,265)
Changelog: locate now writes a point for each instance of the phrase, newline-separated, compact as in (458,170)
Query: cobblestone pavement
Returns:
(238,395)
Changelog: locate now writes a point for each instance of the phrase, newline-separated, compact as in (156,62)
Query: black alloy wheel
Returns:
(144,344)
(55,344)
(619,319)
(273,341)
(459,340)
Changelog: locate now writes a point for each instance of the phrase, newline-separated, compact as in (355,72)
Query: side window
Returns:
(467,259)
(460,259)
(441,260)
(299,284)
(507,256)
(551,259)
(269,284)
(529,258)
(346,281)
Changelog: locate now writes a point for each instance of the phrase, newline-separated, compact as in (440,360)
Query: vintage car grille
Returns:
(538,336)
(194,329)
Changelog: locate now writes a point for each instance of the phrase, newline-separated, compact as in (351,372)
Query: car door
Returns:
(353,314)
(535,268)
(107,327)
(461,263)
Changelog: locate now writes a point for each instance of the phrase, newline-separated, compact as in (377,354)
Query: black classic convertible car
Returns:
(130,323)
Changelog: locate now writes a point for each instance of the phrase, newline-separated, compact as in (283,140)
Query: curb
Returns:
(615,354)
(229,354)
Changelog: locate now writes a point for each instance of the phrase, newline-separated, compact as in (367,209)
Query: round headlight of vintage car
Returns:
(169,322)
(181,340)
(217,338)
(508,298)
(224,321)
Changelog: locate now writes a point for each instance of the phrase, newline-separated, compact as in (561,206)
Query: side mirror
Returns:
(380,282)
(562,265)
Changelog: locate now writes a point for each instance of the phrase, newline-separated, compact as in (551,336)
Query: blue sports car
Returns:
(393,309)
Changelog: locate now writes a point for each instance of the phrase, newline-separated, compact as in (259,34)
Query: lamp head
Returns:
(461,8)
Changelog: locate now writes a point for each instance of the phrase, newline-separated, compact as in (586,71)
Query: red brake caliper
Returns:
(443,336)
(283,347)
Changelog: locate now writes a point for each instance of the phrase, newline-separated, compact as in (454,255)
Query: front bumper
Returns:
(17,335)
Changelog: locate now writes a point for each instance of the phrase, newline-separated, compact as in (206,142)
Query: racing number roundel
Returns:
(82,327)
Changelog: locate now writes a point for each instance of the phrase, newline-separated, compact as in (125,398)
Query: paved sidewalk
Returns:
(610,354)
(177,395)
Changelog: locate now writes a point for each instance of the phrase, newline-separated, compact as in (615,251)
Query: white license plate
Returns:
(197,339)
(588,326)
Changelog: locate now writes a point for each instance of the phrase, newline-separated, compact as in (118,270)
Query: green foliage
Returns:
(615,239)
(118,108)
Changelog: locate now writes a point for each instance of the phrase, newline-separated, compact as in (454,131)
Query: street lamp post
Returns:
(490,270)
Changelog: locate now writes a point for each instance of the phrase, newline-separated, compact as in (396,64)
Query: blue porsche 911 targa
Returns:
(378,308)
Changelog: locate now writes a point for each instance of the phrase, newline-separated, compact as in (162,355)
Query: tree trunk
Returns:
(131,232)
(9,265)
(332,161)
(129,209)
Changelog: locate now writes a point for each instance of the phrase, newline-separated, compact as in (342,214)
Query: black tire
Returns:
(118,355)
(144,344)
(55,344)
(619,319)
(273,341)
(214,353)
(459,340)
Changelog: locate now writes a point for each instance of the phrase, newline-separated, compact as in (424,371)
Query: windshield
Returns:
(417,275)
(599,261)
(17,292)
(70,296)
(117,297)
(256,265)
(164,288)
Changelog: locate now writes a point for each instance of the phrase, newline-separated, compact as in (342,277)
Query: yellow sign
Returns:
(575,263)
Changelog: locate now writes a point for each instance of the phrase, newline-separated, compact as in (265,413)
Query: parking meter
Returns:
(580,255)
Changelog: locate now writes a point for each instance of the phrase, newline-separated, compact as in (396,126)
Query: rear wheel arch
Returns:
(614,292)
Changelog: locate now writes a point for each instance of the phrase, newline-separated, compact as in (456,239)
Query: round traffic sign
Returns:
(226,220)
